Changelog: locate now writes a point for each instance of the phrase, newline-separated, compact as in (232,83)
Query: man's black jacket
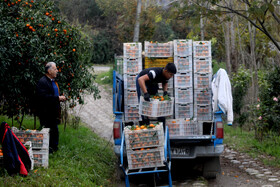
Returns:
(48,104)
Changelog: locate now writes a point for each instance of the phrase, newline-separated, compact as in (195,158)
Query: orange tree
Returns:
(32,34)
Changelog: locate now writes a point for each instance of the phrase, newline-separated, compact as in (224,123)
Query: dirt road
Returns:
(237,169)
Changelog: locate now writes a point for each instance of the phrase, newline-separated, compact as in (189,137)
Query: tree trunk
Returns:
(233,55)
(241,50)
(201,28)
(227,46)
(137,22)
(252,34)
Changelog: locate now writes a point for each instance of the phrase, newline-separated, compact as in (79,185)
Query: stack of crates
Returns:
(132,66)
(158,55)
(40,144)
(183,79)
(202,62)
(145,147)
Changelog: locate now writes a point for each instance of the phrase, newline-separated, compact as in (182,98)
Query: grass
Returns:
(268,150)
(106,80)
(83,159)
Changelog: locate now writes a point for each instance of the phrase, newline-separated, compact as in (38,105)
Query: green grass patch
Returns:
(244,141)
(28,122)
(105,78)
(83,159)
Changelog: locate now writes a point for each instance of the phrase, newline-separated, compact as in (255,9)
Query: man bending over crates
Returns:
(148,80)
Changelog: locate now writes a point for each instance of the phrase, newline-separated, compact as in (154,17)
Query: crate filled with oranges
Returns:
(144,136)
(145,158)
(144,145)
(39,139)
(158,106)
(41,157)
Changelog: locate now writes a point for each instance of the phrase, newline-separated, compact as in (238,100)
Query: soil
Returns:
(237,169)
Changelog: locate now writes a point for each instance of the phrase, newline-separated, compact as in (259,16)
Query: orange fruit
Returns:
(74,50)
(58,21)
(47,13)
(55,30)
(27,25)
(152,125)
(142,127)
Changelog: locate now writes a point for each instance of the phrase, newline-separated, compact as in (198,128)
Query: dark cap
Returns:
(171,68)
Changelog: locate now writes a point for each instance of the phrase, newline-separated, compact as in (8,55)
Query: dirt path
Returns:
(237,169)
(98,114)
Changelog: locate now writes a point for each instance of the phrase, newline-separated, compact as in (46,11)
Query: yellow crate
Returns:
(157,62)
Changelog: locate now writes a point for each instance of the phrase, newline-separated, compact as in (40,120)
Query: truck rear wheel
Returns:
(211,167)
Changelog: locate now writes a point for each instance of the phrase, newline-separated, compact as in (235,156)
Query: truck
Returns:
(206,144)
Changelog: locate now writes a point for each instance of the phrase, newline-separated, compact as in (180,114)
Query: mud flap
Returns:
(211,167)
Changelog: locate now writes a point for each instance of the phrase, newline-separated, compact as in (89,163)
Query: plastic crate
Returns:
(170,83)
(157,62)
(118,66)
(137,139)
(202,65)
(41,157)
(183,64)
(147,158)
(158,49)
(182,127)
(202,48)
(130,97)
(156,108)
(182,47)
(173,127)
(203,112)
(132,50)
(183,80)
(183,95)
(39,139)
(202,97)
(131,113)
(183,110)
(202,81)
(129,81)
(132,66)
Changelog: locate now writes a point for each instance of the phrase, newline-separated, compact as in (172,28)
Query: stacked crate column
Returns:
(132,66)
(202,80)
(183,95)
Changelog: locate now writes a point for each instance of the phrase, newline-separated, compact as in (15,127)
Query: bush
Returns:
(267,110)
(32,34)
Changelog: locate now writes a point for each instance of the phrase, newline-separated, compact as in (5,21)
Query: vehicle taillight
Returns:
(116,130)
(220,130)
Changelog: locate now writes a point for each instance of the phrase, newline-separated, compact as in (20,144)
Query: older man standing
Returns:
(49,103)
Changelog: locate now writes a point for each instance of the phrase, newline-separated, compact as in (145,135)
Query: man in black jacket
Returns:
(147,83)
(49,103)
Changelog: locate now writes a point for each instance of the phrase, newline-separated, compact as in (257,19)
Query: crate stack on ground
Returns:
(132,65)
(40,144)
(183,79)
(158,55)
(202,63)
(144,146)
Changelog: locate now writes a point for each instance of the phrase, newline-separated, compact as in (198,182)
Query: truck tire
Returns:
(211,167)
